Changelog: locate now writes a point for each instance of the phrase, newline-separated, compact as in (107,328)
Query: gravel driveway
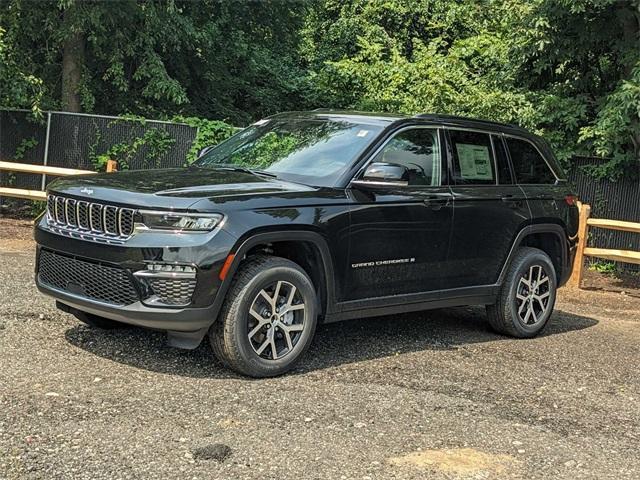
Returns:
(433,395)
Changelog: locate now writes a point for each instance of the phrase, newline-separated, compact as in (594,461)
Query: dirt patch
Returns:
(462,462)
(626,283)
(16,235)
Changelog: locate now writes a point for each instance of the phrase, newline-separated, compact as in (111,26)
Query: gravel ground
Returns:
(433,395)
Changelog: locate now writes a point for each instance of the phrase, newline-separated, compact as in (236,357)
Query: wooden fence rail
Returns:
(43,170)
(627,256)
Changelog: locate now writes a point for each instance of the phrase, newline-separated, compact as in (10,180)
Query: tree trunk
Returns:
(72,66)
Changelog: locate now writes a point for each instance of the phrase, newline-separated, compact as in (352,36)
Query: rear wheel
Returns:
(268,319)
(527,296)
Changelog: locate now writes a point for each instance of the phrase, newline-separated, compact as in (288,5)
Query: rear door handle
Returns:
(512,201)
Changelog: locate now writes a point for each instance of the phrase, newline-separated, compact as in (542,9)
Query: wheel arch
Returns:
(551,238)
(277,243)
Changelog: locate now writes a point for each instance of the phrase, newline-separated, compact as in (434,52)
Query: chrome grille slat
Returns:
(95,219)
(70,212)
(60,216)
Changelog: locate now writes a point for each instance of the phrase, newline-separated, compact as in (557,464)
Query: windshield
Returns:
(311,151)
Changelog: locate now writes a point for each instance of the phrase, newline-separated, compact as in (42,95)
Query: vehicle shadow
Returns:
(335,344)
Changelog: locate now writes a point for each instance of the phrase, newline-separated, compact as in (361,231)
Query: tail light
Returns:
(571,199)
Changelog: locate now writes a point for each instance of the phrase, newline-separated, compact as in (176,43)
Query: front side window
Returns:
(418,151)
(528,165)
(315,151)
(473,162)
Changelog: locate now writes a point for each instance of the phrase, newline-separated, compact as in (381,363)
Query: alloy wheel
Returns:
(533,295)
(276,320)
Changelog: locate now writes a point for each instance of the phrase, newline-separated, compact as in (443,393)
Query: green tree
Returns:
(17,87)
(234,60)
(567,69)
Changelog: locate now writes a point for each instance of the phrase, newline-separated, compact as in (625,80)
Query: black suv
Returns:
(315,217)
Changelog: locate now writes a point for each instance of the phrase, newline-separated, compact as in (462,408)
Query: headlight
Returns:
(189,222)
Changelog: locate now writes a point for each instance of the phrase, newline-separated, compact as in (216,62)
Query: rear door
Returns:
(490,209)
(545,195)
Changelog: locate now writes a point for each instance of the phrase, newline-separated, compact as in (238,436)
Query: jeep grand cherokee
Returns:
(315,217)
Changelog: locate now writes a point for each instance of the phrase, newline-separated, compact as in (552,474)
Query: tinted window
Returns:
(416,150)
(502,162)
(472,158)
(528,164)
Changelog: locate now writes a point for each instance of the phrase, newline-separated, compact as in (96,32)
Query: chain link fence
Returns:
(72,140)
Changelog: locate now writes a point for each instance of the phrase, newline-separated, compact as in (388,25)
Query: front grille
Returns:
(173,291)
(90,217)
(88,279)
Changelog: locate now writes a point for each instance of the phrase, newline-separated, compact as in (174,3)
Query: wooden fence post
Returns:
(112,166)
(583,231)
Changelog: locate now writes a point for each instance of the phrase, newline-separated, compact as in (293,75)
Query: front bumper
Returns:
(206,252)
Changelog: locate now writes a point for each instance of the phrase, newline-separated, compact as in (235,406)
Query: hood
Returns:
(176,188)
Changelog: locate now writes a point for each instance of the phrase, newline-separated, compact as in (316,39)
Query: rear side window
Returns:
(473,162)
(528,164)
(502,161)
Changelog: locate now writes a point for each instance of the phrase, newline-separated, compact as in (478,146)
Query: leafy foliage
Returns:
(155,141)
(209,132)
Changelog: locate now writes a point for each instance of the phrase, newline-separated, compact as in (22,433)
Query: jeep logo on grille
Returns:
(86,190)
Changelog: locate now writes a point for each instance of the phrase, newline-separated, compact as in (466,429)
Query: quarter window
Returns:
(473,162)
(418,151)
(528,164)
(502,161)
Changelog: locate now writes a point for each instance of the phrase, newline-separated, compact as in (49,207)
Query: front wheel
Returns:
(268,319)
(527,296)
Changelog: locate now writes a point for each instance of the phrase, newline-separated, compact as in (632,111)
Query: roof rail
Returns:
(454,118)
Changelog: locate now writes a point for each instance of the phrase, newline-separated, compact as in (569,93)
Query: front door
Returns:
(399,236)
(490,208)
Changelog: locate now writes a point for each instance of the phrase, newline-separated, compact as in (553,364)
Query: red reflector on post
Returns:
(226,266)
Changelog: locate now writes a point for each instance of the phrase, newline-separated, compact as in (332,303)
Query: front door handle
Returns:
(436,203)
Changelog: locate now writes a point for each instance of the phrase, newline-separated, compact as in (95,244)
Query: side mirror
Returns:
(205,150)
(380,174)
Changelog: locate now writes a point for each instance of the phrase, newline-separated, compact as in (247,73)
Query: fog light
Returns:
(165,267)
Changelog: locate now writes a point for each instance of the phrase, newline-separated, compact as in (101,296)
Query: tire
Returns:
(524,306)
(245,341)
(98,322)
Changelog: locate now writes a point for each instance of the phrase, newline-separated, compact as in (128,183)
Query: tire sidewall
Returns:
(531,259)
(300,280)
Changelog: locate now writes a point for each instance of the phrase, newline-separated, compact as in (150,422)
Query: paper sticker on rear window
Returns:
(475,162)
(363,133)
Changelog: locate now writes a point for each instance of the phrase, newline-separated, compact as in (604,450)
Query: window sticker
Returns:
(475,162)
(363,133)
